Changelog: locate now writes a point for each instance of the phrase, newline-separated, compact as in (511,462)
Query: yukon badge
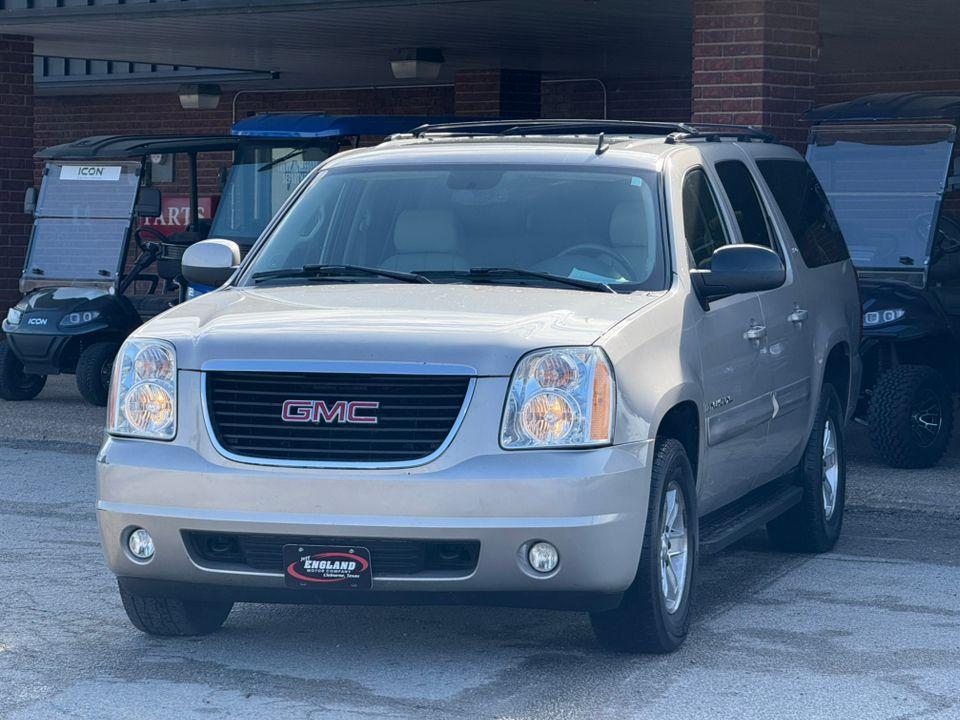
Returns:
(317,411)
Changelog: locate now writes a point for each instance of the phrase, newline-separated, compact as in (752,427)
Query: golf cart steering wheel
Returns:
(141,243)
(947,238)
(618,260)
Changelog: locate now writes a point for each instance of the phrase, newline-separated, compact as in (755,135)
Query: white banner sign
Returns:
(90,172)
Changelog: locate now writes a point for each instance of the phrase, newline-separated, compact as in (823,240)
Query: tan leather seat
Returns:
(426,240)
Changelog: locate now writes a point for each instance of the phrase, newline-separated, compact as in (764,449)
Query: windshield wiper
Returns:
(283,158)
(326,271)
(506,272)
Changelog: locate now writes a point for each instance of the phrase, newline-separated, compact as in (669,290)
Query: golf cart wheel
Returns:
(654,614)
(172,617)
(911,416)
(93,372)
(15,384)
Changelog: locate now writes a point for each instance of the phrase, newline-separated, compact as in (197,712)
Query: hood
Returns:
(483,328)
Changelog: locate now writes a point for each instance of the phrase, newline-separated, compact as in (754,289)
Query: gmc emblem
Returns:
(316,411)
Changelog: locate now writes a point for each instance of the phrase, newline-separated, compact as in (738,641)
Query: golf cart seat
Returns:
(147,306)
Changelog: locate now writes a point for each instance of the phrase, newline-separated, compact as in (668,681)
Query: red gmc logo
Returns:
(316,411)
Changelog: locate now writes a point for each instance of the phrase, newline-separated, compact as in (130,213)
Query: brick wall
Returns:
(497,93)
(16,147)
(664,98)
(754,63)
(838,87)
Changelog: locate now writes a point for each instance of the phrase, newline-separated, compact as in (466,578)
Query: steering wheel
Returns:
(141,243)
(947,238)
(618,259)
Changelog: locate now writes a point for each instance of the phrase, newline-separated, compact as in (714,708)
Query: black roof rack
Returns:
(675,132)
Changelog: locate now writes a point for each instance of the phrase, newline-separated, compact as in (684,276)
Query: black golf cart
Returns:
(93,273)
(889,165)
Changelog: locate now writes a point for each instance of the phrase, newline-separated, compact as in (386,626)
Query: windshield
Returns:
(885,186)
(263,176)
(83,215)
(600,226)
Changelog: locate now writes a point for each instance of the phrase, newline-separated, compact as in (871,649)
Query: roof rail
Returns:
(675,132)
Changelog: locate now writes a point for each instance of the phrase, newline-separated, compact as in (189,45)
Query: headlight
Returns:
(143,392)
(560,397)
(882,317)
(79,318)
(13,315)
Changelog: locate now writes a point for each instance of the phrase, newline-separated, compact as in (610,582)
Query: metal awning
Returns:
(890,106)
(135,146)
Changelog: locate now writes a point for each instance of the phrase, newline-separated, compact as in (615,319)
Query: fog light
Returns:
(141,544)
(543,557)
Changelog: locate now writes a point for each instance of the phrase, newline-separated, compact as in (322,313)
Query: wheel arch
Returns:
(682,422)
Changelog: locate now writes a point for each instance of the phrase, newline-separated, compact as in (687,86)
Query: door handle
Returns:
(798,316)
(755,333)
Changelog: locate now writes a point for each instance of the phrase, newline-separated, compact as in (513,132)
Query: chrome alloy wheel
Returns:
(674,547)
(830,469)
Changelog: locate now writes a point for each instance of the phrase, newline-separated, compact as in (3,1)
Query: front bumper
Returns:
(590,504)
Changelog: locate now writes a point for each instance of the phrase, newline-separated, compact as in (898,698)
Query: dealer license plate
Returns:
(327,567)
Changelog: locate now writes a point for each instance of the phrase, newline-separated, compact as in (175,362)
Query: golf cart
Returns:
(276,151)
(81,295)
(889,166)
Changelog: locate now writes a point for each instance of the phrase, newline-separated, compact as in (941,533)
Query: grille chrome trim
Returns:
(332,464)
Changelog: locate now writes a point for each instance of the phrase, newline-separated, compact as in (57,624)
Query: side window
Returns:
(805,208)
(744,198)
(702,223)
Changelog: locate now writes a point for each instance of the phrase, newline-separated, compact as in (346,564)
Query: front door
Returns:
(736,398)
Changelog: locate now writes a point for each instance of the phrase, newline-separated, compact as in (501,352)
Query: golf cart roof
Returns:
(313,125)
(116,147)
(890,106)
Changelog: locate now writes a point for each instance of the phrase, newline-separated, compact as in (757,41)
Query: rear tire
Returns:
(94,368)
(652,618)
(814,525)
(911,416)
(171,617)
(15,384)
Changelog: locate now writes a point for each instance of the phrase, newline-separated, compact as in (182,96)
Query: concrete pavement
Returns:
(871,630)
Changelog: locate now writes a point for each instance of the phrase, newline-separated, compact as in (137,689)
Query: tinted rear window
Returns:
(805,208)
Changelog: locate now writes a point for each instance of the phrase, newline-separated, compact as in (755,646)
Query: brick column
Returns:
(754,63)
(16,159)
(497,93)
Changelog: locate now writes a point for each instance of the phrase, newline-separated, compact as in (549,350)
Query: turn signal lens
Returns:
(560,397)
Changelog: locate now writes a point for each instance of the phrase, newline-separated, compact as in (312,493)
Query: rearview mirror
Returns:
(149,203)
(30,200)
(736,269)
(210,262)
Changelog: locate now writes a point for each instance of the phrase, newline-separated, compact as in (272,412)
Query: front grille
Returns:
(416,413)
(388,557)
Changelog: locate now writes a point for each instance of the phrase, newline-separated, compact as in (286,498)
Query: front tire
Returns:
(654,615)
(814,524)
(15,384)
(911,416)
(94,368)
(171,617)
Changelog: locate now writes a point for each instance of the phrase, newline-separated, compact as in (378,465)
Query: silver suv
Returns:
(541,363)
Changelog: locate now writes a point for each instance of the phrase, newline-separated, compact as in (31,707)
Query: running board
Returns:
(725,526)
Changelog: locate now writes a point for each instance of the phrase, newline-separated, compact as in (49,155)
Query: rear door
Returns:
(737,404)
(787,346)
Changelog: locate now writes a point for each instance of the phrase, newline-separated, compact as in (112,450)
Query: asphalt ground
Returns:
(871,630)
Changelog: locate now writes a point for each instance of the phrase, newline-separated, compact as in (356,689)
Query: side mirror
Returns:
(736,269)
(210,262)
(30,196)
(149,203)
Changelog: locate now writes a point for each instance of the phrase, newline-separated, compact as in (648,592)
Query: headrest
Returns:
(425,231)
(627,224)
